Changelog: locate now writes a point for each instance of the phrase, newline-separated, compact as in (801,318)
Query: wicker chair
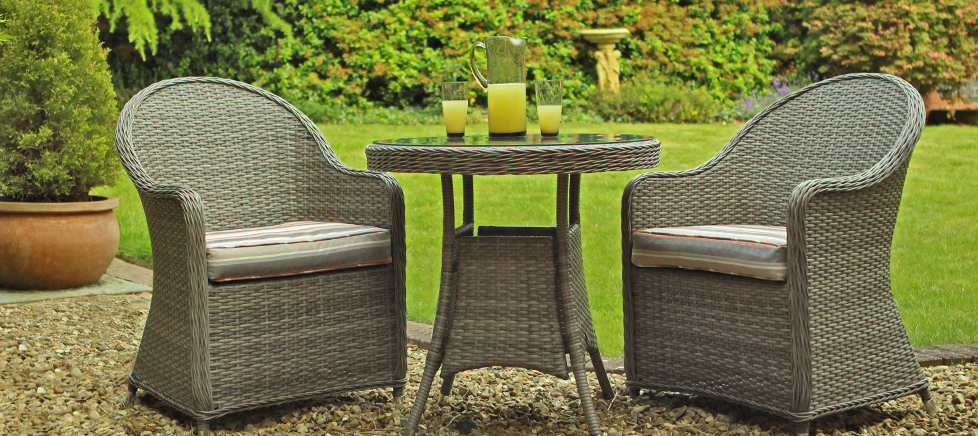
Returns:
(209,154)
(828,163)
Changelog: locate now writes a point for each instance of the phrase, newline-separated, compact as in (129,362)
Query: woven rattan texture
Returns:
(828,162)
(509,284)
(855,311)
(824,133)
(227,145)
(728,336)
(514,160)
(579,287)
(164,357)
(301,342)
(215,154)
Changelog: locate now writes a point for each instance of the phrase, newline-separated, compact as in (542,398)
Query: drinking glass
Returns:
(549,96)
(455,105)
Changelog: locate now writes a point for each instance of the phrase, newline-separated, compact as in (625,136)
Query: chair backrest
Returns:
(838,127)
(251,157)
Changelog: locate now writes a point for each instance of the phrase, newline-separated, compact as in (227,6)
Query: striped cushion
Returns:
(293,248)
(753,251)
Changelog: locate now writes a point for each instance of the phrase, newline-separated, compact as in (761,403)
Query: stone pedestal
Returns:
(607,57)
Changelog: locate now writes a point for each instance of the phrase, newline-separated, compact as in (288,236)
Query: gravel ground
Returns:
(64,363)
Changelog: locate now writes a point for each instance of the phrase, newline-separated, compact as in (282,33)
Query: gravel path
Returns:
(64,362)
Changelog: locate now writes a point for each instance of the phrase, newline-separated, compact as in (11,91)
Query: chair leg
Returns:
(446,385)
(929,405)
(634,392)
(130,398)
(203,427)
(802,428)
(398,397)
(606,391)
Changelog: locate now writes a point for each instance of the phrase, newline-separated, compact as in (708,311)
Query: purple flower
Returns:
(753,103)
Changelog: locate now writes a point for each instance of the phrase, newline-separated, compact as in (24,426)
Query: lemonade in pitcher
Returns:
(506,58)
(507,109)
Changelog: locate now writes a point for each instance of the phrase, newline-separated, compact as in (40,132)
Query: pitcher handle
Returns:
(475,70)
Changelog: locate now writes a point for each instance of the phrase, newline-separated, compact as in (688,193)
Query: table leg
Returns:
(585,322)
(573,335)
(467,203)
(443,314)
(467,220)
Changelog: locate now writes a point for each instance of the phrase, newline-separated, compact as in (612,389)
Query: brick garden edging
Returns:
(420,334)
(935,355)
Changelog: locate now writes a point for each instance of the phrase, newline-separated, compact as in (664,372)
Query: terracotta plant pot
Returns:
(56,245)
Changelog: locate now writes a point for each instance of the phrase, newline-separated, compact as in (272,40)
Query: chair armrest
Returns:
(678,198)
(850,211)
(179,314)
(368,198)
(175,218)
(376,199)
(840,231)
(363,197)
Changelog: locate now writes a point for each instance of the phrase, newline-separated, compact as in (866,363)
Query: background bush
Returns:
(349,59)
(645,100)
(930,43)
(57,107)
(373,53)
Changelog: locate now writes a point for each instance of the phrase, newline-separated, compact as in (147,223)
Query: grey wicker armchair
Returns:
(209,154)
(827,163)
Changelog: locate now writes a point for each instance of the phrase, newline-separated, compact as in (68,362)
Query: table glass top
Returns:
(535,140)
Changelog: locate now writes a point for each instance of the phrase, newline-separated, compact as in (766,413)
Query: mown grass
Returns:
(934,249)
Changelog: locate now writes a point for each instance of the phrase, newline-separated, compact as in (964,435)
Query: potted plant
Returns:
(57,114)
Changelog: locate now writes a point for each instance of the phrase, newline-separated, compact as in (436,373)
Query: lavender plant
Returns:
(753,103)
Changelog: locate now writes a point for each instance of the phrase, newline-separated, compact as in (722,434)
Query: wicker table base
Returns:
(512,296)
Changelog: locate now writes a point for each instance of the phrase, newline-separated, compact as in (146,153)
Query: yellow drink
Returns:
(549,119)
(507,109)
(454,111)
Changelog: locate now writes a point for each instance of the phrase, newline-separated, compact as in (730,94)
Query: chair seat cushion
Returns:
(293,248)
(745,250)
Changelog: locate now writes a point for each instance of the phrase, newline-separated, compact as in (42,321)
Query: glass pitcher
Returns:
(506,84)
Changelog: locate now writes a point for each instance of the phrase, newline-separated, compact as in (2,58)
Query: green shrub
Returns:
(3,36)
(338,113)
(394,53)
(57,106)
(720,46)
(141,21)
(645,100)
(931,44)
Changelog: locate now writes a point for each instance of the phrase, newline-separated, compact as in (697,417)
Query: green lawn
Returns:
(934,249)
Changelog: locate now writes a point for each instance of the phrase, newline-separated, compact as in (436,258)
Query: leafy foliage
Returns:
(397,52)
(393,53)
(242,44)
(3,36)
(930,43)
(644,100)
(722,46)
(141,22)
(141,19)
(57,109)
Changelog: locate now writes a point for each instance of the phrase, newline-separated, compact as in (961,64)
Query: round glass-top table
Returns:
(513,296)
(573,153)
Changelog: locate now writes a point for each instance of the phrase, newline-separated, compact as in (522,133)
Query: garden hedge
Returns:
(394,52)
